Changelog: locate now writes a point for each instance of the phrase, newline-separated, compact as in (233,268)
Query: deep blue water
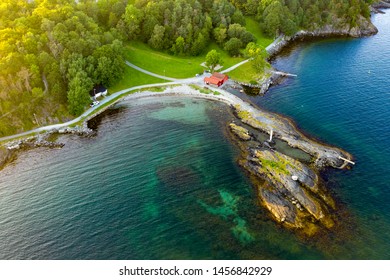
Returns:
(160,180)
(342,96)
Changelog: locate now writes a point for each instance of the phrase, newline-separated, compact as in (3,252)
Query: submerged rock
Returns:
(177,177)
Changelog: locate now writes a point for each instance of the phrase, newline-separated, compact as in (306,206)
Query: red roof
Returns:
(220,76)
(213,80)
(216,79)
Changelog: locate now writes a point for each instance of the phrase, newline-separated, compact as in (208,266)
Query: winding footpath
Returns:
(259,119)
(235,66)
(151,73)
(173,81)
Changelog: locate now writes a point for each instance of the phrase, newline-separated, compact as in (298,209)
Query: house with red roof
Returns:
(216,79)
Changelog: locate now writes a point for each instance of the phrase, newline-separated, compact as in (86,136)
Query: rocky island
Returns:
(291,190)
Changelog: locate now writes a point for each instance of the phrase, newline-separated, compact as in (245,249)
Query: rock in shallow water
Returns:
(290,190)
(240,132)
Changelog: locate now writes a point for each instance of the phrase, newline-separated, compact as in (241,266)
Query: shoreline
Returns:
(291,191)
(363,30)
(284,128)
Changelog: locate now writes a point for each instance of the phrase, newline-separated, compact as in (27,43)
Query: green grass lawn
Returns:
(165,64)
(245,73)
(253,27)
(133,78)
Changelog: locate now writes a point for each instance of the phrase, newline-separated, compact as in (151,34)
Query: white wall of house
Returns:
(103,93)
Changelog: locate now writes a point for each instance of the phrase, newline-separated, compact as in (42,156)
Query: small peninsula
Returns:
(60,71)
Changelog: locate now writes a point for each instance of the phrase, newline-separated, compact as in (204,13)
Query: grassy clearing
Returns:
(133,78)
(245,73)
(165,64)
(253,27)
(277,166)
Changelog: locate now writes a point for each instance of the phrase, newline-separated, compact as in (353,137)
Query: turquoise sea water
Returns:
(160,180)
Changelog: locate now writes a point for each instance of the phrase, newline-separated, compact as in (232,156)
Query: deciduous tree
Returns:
(213,58)
(233,46)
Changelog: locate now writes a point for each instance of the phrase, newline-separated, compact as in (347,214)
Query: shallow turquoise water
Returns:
(160,180)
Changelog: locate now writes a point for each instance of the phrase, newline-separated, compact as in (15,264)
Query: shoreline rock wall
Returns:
(364,28)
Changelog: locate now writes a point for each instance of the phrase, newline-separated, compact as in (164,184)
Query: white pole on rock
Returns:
(270,136)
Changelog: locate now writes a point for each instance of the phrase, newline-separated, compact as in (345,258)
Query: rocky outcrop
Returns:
(9,150)
(275,78)
(270,79)
(290,190)
(5,156)
(33,142)
(283,210)
(240,132)
(289,180)
(384,4)
(285,130)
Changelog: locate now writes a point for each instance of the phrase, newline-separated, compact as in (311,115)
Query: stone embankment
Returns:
(273,78)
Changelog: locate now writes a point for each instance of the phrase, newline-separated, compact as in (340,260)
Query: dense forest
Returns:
(289,16)
(52,52)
